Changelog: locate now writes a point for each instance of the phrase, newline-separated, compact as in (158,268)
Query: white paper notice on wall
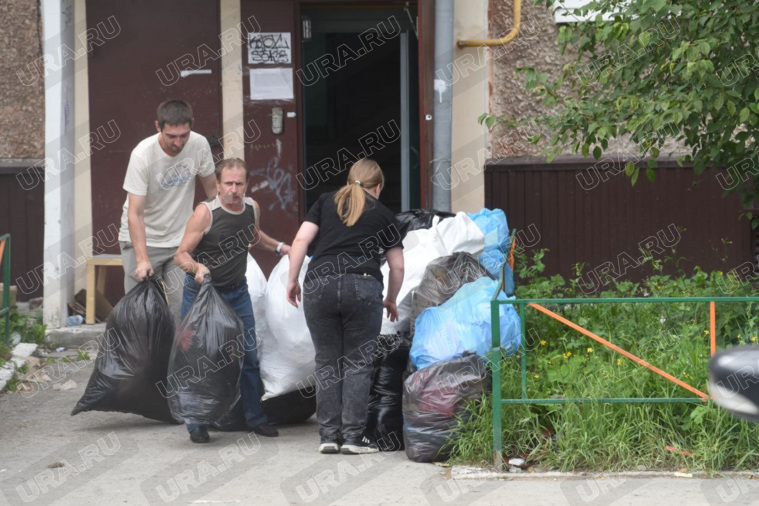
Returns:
(269,48)
(271,84)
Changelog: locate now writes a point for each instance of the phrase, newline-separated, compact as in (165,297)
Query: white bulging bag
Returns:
(422,246)
(461,234)
(286,354)
(257,291)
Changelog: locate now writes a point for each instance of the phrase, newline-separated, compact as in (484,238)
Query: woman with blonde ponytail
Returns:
(350,199)
(342,299)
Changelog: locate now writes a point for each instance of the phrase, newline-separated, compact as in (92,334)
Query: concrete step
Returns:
(75,337)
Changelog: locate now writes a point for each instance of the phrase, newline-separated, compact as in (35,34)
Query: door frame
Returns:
(425,28)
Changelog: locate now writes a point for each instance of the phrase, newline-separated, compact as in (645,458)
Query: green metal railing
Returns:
(496,355)
(5,261)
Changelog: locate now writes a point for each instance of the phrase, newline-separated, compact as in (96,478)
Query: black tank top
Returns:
(224,247)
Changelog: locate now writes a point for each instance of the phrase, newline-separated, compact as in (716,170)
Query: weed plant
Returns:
(562,363)
(30,328)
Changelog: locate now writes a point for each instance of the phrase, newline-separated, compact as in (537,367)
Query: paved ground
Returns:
(113,458)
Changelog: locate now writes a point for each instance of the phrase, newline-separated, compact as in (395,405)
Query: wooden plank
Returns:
(90,313)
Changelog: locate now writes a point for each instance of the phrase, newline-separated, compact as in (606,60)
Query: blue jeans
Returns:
(251,386)
(344,317)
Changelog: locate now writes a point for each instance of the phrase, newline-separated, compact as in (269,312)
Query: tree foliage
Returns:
(658,70)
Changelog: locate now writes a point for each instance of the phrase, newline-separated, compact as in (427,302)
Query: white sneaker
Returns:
(358,446)
(329,446)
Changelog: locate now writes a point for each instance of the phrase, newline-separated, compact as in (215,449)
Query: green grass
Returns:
(5,353)
(30,328)
(562,362)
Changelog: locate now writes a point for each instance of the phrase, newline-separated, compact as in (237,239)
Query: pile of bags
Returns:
(420,247)
(462,324)
(146,367)
(191,374)
(431,361)
(450,266)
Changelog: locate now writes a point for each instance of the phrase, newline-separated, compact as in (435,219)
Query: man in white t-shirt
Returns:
(160,185)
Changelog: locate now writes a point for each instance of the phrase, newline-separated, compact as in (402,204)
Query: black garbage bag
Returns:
(384,424)
(233,419)
(286,409)
(291,408)
(442,278)
(206,359)
(131,367)
(415,219)
(433,397)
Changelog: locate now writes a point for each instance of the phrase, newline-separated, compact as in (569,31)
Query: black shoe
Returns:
(200,435)
(329,445)
(358,446)
(265,429)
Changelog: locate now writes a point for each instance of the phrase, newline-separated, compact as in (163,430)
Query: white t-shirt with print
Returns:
(168,184)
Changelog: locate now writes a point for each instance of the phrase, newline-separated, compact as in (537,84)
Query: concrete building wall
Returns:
(536,47)
(22,133)
(470,74)
(231,84)
(82,186)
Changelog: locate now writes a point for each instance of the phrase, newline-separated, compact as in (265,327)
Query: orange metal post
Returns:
(713,327)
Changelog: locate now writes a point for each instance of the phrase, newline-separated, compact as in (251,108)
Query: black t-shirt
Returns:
(341,249)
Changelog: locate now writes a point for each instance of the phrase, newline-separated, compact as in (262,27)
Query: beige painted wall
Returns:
(82,188)
(469,140)
(536,46)
(231,84)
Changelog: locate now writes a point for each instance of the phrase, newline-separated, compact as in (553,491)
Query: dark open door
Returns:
(134,71)
(360,97)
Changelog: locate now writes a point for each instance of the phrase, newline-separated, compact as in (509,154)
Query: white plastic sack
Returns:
(460,234)
(420,247)
(286,353)
(257,290)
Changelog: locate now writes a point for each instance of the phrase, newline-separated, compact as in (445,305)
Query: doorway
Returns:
(359,77)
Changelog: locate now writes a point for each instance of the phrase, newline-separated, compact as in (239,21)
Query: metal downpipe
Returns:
(443,108)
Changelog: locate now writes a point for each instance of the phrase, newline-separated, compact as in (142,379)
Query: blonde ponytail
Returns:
(350,199)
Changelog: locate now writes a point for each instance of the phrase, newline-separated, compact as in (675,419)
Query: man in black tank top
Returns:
(216,241)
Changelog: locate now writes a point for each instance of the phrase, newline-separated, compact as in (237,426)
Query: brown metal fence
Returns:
(586,211)
(22,214)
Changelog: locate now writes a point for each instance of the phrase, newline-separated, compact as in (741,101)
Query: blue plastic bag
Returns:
(495,228)
(462,324)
